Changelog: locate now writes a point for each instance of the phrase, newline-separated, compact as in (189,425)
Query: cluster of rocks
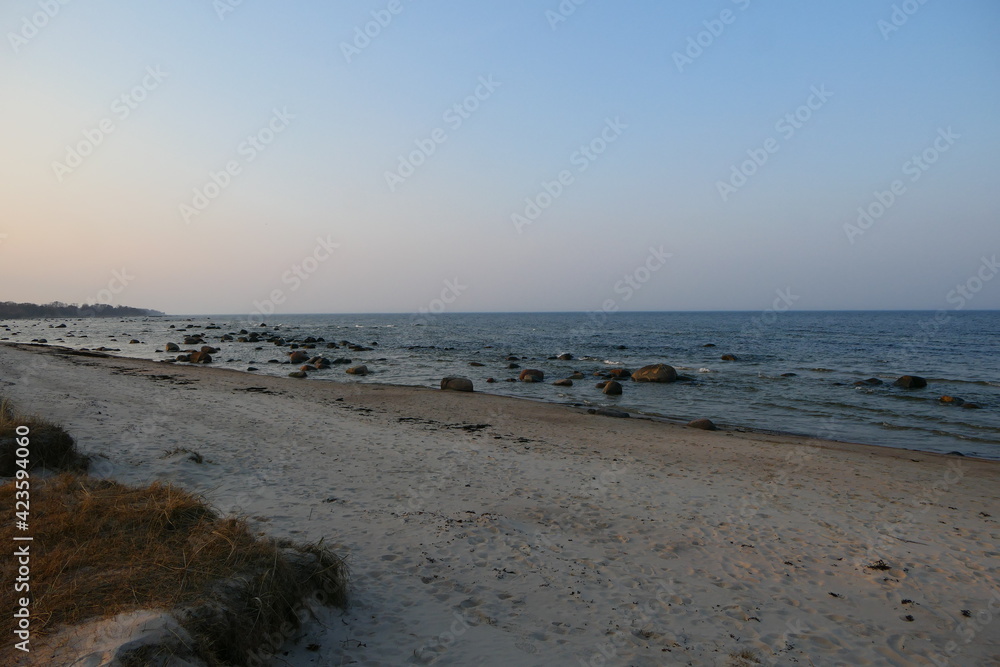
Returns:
(307,362)
(200,356)
(917,382)
(612,386)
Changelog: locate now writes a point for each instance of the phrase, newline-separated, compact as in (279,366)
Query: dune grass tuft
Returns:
(102,548)
(50,446)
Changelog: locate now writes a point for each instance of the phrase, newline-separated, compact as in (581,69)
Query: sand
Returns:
(484,530)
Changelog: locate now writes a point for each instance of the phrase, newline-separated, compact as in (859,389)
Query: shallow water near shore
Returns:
(794,371)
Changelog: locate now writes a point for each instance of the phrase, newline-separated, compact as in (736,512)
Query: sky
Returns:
(241,157)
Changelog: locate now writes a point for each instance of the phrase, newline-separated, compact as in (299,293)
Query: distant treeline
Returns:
(10,310)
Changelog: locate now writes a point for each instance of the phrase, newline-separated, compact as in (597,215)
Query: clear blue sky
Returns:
(677,119)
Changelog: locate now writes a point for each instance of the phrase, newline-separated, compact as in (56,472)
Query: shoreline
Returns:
(724,427)
(482,529)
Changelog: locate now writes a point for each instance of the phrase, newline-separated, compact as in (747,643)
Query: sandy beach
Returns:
(485,530)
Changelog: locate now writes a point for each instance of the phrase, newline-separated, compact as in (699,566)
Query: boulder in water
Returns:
(612,388)
(655,373)
(911,382)
(531,375)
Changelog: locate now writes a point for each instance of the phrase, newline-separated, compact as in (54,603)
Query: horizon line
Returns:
(583,312)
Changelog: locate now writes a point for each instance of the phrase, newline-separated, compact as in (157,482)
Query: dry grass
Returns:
(744,658)
(50,446)
(101,548)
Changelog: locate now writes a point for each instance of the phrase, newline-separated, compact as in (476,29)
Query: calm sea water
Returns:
(795,371)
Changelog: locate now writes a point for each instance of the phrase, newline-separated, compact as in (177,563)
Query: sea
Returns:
(794,372)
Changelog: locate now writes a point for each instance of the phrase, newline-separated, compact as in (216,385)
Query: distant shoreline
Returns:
(10,310)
